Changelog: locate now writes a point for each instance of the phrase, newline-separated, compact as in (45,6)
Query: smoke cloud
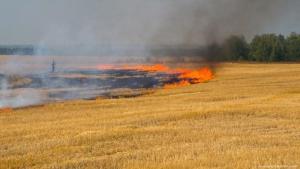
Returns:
(196,22)
(141,23)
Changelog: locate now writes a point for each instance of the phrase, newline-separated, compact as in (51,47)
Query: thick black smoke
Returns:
(194,29)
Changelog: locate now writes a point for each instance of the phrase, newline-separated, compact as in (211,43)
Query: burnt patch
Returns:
(81,84)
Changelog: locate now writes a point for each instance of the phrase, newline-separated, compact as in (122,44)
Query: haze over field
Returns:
(141,23)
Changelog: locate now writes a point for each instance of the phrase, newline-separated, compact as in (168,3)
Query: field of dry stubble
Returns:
(247,117)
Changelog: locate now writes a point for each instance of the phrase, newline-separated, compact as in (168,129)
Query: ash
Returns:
(39,88)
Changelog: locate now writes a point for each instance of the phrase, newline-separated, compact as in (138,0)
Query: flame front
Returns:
(186,76)
(198,76)
(147,68)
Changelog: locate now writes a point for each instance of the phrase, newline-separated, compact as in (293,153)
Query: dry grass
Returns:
(247,117)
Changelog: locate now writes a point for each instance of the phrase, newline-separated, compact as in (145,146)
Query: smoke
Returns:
(3,87)
(20,98)
(133,28)
(201,22)
(78,33)
(141,23)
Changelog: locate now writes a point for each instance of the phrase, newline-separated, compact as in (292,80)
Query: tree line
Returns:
(264,48)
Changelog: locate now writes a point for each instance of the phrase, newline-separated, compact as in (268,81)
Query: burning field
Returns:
(177,77)
(247,116)
(99,81)
(150,84)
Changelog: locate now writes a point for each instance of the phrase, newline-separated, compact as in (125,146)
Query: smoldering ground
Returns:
(30,89)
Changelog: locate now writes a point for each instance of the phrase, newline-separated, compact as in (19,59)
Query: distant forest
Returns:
(16,50)
(264,48)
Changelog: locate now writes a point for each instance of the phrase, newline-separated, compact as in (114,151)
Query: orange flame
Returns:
(6,110)
(181,83)
(186,76)
(146,68)
(198,76)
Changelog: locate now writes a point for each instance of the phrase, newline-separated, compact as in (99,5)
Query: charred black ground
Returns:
(78,84)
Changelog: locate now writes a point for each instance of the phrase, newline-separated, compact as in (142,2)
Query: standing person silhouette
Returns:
(53,66)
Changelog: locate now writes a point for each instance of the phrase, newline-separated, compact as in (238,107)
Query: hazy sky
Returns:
(141,22)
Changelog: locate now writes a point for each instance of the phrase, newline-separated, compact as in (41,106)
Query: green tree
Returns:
(293,47)
(278,49)
(268,47)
